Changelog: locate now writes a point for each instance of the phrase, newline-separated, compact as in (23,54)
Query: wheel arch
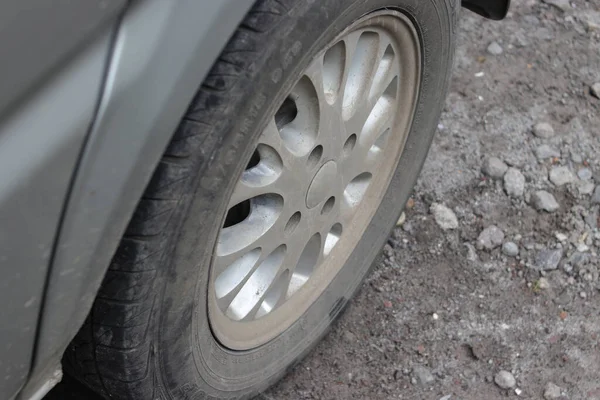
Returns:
(492,9)
(162,53)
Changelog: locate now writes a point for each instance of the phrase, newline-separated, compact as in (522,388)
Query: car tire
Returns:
(151,333)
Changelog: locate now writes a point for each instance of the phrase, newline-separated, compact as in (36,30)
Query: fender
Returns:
(492,9)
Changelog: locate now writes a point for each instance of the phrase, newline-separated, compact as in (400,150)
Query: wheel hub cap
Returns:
(319,172)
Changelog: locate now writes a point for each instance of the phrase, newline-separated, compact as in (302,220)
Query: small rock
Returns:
(444,216)
(447,397)
(514,183)
(505,380)
(401,220)
(585,174)
(561,237)
(543,130)
(495,49)
(494,167)
(490,238)
(545,151)
(583,295)
(552,392)
(510,249)
(543,284)
(595,90)
(562,5)
(596,195)
(561,176)
(471,252)
(579,259)
(548,259)
(586,188)
(544,201)
(576,157)
(423,375)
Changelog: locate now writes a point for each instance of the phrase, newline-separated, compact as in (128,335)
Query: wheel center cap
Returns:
(321,184)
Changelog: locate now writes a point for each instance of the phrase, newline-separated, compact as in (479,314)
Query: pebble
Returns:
(579,259)
(495,49)
(596,195)
(548,259)
(544,201)
(423,376)
(444,216)
(576,157)
(586,188)
(583,295)
(494,167)
(514,183)
(562,5)
(561,176)
(545,151)
(595,90)
(510,249)
(401,220)
(490,238)
(447,397)
(543,130)
(505,380)
(585,174)
(543,284)
(471,252)
(552,392)
(561,237)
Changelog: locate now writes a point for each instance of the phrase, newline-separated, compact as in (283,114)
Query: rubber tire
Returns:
(148,336)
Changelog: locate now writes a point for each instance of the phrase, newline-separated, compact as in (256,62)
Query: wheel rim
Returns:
(319,172)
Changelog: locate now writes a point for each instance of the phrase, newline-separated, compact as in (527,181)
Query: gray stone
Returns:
(595,90)
(490,238)
(579,259)
(596,195)
(552,392)
(543,130)
(510,249)
(543,284)
(514,183)
(562,5)
(544,201)
(586,187)
(561,176)
(585,174)
(505,380)
(423,376)
(471,252)
(548,259)
(495,49)
(576,157)
(444,216)
(545,151)
(494,167)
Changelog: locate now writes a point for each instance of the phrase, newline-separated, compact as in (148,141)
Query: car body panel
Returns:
(38,36)
(39,147)
(162,52)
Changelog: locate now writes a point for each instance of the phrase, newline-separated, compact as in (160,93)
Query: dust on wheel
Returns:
(319,170)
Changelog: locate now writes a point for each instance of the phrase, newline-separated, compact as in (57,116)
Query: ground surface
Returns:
(448,309)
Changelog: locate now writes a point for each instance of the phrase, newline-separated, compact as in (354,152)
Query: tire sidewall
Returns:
(191,362)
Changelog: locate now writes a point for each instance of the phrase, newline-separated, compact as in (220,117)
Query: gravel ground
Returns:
(490,288)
